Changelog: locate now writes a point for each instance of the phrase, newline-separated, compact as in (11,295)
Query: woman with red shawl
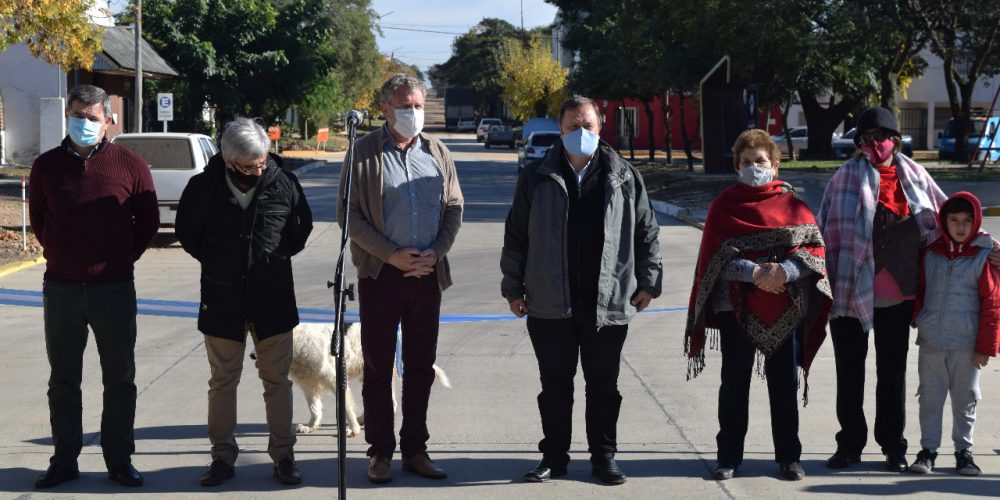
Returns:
(761,292)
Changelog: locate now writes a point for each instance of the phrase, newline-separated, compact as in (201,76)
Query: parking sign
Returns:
(165,107)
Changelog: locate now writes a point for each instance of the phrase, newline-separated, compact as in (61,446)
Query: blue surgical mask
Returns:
(84,132)
(756,175)
(580,142)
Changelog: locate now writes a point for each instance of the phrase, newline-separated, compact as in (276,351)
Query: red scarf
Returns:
(735,216)
(890,191)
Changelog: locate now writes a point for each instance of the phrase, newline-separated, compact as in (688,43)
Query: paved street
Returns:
(483,431)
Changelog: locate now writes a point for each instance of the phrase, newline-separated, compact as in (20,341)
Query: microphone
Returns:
(354,118)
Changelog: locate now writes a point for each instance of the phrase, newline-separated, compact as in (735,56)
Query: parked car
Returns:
(843,145)
(536,146)
(173,158)
(800,140)
(484,125)
(987,144)
(466,125)
(499,135)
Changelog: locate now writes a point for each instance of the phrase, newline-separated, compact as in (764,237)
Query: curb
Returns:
(677,212)
(991,211)
(13,267)
(309,167)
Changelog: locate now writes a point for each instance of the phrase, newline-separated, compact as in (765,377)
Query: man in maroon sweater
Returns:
(93,209)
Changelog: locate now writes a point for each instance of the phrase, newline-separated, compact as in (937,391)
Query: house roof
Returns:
(118,55)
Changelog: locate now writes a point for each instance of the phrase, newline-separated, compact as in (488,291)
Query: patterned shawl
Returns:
(765,224)
(846,217)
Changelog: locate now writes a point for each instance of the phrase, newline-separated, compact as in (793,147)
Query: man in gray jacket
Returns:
(580,259)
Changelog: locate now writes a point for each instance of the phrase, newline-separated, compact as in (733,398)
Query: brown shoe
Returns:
(424,466)
(379,470)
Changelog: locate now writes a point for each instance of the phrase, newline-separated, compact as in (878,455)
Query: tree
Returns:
(259,57)
(475,62)
(965,36)
(55,31)
(533,83)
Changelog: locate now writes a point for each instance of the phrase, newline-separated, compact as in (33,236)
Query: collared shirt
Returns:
(242,198)
(412,186)
(72,150)
(583,171)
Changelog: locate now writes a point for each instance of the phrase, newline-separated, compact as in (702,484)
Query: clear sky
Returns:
(423,49)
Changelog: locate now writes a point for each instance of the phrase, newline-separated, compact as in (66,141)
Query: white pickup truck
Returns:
(173,158)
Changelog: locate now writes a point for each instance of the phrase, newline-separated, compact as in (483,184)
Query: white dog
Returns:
(314,370)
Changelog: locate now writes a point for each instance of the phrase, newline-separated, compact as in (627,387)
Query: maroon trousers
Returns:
(386,302)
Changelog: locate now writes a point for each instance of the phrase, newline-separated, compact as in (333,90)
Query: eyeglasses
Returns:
(251,169)
(879,135)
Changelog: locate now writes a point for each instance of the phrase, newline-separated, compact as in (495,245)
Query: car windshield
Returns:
(544,140)
(491,121)
(161,153)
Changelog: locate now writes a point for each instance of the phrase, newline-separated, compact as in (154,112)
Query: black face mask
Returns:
(243,179)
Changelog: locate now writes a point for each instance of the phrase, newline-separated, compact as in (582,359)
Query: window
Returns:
(161,153)
(627,123)
(207,148)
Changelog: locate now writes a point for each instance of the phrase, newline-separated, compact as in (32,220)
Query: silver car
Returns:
(843,145)
(173,159)
(484,126)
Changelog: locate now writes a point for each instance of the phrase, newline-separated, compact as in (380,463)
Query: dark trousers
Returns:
(109,310)
(850,347)
(558,343)
(781,370)
(386,302)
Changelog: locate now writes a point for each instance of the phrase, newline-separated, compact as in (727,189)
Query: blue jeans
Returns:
(109,310)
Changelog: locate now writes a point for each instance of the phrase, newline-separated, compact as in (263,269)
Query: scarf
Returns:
(846,216)
(763,224)
(890,191)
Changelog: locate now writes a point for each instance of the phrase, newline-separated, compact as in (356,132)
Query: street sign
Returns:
(274,132)
(322,135)
(165,107)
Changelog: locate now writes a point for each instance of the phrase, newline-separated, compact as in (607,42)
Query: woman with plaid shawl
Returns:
(878,211)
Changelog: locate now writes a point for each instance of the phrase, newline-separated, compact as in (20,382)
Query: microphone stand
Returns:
(341,294)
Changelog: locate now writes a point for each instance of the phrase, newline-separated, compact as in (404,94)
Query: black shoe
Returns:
(792,471)
(896,462)
(55,475)
(842,460)
(723,471)
(924,462)
(965,465)
(217,473)
(544,471)
(125,474)
(286,472)
(605,468)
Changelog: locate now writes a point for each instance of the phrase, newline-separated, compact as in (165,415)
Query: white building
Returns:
(924,109)
(33,92)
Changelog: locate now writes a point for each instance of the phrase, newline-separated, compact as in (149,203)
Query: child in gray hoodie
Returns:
(958,329)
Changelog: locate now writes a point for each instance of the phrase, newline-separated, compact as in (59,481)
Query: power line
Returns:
(399,28)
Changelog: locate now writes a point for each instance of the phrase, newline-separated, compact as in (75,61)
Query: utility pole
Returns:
(138,66)
(524,36)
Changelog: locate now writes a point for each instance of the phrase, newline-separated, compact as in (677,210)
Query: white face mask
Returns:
(756,175)
(409,122)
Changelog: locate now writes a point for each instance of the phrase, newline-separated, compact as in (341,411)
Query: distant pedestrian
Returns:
(879,209)
(958,329)
(94,211)
(405,212)
(581,257)
(244,218)
(761,286)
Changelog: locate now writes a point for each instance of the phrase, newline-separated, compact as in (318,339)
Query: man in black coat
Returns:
(244,218)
